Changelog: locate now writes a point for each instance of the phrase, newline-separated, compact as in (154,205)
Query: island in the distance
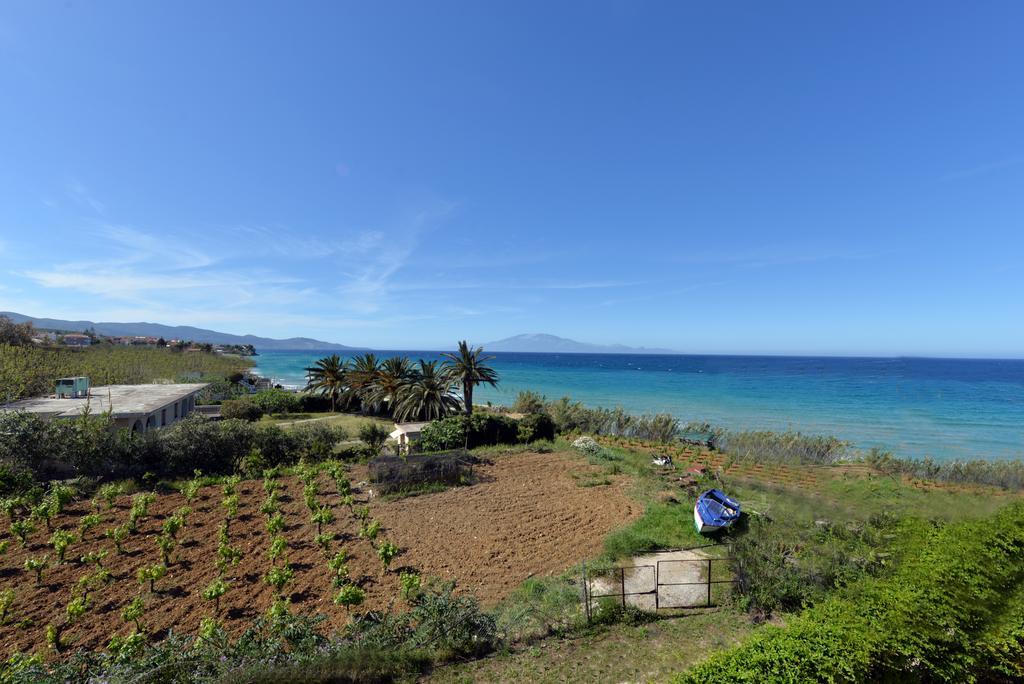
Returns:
(550,344)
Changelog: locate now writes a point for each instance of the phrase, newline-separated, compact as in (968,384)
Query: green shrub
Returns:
(480,429)
(536,426)
(1007,474)
(787,565)
(242,409)
(528,401)
(935,619)
(352,452)
(782,447)
(373,435)
(315,441)
(276,401)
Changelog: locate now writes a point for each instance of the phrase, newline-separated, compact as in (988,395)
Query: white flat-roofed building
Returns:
(135,407)
(405,434)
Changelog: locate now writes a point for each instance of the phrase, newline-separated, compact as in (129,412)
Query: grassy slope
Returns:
(649,652)
(351,422)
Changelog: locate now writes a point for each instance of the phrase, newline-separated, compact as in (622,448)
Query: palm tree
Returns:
(469,368)
(328,377)
(393,373)
(362,377)
(429,394)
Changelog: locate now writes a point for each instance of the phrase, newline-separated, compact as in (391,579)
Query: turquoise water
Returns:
(942,408)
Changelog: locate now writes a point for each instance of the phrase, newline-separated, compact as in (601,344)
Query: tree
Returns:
(276,401)
(469,368)
(328,378)
(18,335)
(373,435)
(387,384)
(429,395)
(362,379)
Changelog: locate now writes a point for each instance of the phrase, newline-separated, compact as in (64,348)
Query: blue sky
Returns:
(709,177)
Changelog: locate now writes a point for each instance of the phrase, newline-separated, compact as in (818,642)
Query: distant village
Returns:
(91,338)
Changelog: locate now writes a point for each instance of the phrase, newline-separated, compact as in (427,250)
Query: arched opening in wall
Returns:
(151,422)
(137,426)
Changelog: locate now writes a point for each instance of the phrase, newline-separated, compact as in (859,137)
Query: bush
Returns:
(277,446)
(528,401)
(1004,474)
(313,403)
(373,435)
(391,474)
(587,445)
(211,446)
(536,426)
(934,619)
(243,409)
(480,429)
(315,441)
(782,447)
(786,566)
(660,427)
(570,416)
(352,452)
(276,401)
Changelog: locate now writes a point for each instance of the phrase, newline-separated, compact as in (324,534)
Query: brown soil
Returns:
(526,516)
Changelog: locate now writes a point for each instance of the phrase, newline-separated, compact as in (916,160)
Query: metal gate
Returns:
(667,584)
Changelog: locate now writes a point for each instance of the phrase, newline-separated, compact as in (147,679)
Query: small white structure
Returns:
(405,434)
(137,407)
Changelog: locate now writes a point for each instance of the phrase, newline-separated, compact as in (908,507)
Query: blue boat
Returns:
(714,511)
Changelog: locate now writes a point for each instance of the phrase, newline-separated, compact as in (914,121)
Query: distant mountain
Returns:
(548,344)
(170,332)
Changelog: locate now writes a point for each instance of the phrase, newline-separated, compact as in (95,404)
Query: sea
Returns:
(944,409)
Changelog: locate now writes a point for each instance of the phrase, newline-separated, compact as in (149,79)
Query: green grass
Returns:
(616,653)
(351,422)
(662,526)
(858,498)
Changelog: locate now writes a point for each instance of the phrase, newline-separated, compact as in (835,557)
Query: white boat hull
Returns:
(701,526)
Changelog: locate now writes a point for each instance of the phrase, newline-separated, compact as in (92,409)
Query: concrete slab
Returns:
(124,400)
(677,578)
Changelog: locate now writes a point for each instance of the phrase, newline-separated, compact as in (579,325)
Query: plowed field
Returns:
(527,515)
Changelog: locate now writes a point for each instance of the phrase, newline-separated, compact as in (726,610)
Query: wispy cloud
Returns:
(138,246)
(504,284)
(247,275)
(368,282)
(286,243)
(982,169)
(77,191)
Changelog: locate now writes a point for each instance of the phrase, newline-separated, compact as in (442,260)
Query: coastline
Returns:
(917,408)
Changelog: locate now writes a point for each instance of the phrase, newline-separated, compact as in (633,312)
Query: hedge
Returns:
(31,448)
(935,619)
